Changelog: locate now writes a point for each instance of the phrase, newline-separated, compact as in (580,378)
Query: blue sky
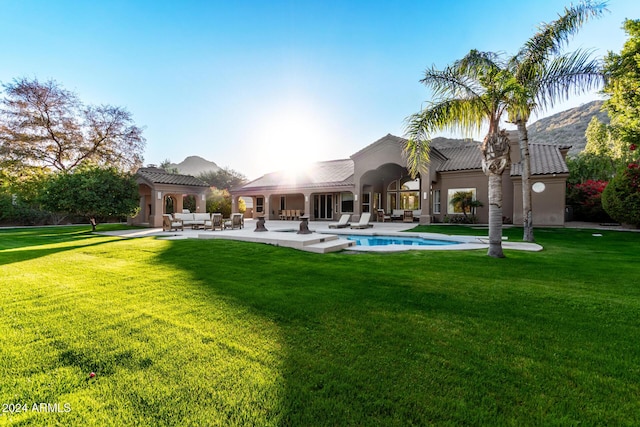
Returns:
(257,86)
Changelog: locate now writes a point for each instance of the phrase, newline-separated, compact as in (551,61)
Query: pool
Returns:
(396,240)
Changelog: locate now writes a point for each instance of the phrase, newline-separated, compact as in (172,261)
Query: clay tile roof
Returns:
(546,159)
(460,157)
(160,176)
(321,174)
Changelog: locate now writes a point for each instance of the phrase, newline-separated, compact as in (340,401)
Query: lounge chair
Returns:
(364,221)
(343,223)
(169,224)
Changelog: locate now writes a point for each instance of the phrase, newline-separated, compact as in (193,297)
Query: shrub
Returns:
(621,198)
(586,199)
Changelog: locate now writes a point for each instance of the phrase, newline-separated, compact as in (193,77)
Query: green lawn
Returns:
(212,332)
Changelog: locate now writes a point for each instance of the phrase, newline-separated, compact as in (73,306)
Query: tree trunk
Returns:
(94,223)
(495,159)
(527,209)
(495,216)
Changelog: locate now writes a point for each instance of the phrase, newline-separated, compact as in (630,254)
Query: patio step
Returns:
(333,245)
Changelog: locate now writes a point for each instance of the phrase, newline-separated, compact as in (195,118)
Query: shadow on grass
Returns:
(27,243)
(399,339)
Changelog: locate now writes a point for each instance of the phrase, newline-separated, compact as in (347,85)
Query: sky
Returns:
(260,86)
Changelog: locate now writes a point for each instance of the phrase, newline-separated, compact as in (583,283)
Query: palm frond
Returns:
(573,73)
(553,36)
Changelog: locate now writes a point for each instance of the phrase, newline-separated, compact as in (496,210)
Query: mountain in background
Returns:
(564,128)
(567,127)
(195,165)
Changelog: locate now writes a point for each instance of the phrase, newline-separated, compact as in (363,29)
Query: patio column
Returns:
(157,200)
(201,202)
(307,204)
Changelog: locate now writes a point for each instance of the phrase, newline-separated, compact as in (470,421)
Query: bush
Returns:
(621,198)
(586,199)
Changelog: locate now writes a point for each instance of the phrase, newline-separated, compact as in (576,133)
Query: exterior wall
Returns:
(464,179)
(377,166)
(548,206)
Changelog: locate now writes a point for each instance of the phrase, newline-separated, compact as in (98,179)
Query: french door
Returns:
(323,206)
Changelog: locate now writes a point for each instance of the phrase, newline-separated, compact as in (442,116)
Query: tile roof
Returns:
(460,157)
(546,159)
(160,176)
(333,173)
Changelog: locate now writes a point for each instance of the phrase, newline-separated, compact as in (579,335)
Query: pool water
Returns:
(389,240)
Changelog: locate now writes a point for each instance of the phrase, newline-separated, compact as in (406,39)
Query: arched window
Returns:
(403,195)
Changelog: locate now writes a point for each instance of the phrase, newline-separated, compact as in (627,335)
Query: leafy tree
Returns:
(224,178)
(166,165)
(464,201)
(473,91)
(621,198)
(623,87)
(93,192)
(545,77)
(219,200)
(589,166)
(44,125)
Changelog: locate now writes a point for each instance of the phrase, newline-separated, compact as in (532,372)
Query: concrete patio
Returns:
(323,239)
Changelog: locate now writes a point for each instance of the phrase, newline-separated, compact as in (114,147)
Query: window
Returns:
(366,202)
(457,209)
(260,204)
(436,201)
(283,203)
(347,202)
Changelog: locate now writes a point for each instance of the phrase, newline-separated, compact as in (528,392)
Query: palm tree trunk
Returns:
(495,159)
(495,216)
(527,209)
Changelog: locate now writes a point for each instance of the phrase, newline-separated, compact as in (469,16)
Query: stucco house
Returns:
(376,178)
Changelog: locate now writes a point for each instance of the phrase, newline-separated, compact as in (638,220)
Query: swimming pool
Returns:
(396,240)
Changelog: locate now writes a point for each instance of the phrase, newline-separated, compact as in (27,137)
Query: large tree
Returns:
(223,179)
(546,77)
(473,92)
(45,125)
(92,191)
(623,87)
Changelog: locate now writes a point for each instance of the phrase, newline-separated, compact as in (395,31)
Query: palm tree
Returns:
(472,92)
(545,77)
(464,201)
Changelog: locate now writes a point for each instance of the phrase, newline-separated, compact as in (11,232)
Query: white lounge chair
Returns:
(343,223)
(364,221)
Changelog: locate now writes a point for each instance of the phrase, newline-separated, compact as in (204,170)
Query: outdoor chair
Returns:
(236,221)
(216,221)
(408,216)
(382,217)
(364,221)
(342,223)
(169,224)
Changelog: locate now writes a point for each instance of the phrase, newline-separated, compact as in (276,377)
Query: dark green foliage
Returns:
(623,71)
(224,179)
(621,198)
(93,192)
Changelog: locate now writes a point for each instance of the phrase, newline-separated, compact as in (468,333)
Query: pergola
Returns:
(155,185)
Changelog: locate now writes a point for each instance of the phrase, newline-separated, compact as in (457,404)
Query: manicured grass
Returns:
(208,332)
